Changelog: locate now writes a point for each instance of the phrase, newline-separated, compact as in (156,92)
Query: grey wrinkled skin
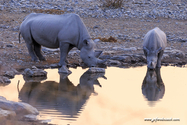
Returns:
(153,46)
(58,31)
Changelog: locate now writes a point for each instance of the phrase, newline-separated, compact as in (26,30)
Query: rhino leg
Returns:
(37,50)
(145,53)
(64,48)
(30,48)
(70,47)
(160,54)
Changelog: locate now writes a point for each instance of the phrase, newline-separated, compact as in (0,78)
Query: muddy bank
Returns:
(117,54)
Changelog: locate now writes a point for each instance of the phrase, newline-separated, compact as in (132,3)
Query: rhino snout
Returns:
(151,65)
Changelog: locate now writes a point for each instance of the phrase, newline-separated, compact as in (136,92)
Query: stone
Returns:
(9,45)
(7,114)
(30,117)
(1,7)
(22,108)
(19,108)
(177,53)
(130,49)
(165,56)
(104,57)
(10,74)
(4,81)
(2,45)
(96,70)
(113,63)
(74,53)
(97,40)
(96,26)
(54,65)
(121,58)
(34,72)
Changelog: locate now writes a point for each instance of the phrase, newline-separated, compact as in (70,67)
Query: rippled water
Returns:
(118,97)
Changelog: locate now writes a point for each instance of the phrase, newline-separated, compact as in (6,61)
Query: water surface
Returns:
(127,96)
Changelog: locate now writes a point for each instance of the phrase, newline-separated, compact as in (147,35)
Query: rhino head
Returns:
(89,55)
(152,57)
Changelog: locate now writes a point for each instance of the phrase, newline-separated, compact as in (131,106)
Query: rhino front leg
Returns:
(160,54)
(37,50)
(64,48)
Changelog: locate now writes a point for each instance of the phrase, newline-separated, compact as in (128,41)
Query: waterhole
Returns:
(120,96)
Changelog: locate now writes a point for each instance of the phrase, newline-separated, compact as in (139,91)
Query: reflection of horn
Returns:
(147,51)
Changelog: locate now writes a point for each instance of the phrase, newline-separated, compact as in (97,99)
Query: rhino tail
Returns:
(19,37)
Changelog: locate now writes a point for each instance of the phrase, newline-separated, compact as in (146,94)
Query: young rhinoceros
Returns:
(58,31)
(154,44)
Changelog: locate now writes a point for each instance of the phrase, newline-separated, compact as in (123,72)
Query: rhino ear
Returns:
(97,53)
(145,49)
(158,50)
(85,42)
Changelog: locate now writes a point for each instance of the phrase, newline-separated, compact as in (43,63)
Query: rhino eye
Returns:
(89,57)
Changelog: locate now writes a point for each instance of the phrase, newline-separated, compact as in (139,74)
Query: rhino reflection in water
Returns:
(153,87)
(63,96)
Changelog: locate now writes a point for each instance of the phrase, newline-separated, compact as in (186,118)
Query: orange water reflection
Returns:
(120,99)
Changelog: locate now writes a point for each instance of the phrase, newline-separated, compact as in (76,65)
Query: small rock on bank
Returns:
(96,70)
(10,109)
(34,72)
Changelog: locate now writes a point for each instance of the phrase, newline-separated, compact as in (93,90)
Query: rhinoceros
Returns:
(154,44)
(58,31)
(63,96)
(153,87)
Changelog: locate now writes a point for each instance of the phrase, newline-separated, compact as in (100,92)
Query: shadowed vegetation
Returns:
(110,39)
(49,11)
(112,3)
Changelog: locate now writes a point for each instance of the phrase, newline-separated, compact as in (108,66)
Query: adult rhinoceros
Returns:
(58,31)
(154,44)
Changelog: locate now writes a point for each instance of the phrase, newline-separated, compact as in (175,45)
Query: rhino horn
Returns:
(99,61)
(97,53)
(147,51)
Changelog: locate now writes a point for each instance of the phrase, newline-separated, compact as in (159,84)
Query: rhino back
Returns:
(155,39)
(48,30)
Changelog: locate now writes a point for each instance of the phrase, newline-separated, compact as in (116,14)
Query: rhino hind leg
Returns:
(30,48)
(37,50)
(160,54)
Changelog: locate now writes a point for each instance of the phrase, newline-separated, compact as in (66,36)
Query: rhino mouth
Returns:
(151,69)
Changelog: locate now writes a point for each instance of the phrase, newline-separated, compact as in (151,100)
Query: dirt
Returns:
(12,55)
